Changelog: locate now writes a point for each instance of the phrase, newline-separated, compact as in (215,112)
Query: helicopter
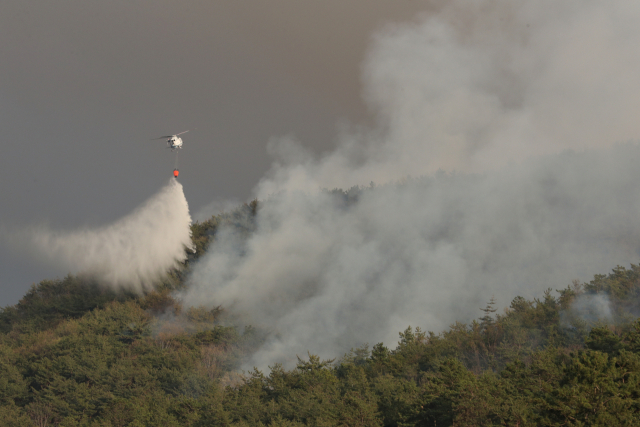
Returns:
(173,141)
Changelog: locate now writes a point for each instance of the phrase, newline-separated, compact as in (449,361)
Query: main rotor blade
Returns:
(162,137)
(182,132)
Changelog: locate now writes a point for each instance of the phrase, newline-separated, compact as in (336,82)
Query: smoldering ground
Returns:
(525,100)
(131,253)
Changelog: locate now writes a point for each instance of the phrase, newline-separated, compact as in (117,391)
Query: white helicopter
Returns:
(173,141)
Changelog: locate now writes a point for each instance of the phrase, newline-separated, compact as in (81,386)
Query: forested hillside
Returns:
(77,354)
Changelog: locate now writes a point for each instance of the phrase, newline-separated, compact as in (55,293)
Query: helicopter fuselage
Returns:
(174,142)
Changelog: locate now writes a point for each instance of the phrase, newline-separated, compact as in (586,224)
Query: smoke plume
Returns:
(132,252)
(588,309)
(525,100)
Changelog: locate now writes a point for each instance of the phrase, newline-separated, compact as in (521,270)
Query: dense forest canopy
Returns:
(75,353)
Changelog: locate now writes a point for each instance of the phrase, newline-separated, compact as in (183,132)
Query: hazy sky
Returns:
(85,85)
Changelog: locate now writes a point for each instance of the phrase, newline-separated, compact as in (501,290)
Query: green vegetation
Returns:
(75,354)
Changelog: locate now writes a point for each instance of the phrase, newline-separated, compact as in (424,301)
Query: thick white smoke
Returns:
(497,88)
(478,84)
(132,252)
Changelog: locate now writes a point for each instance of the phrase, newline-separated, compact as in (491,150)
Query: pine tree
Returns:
(488,320)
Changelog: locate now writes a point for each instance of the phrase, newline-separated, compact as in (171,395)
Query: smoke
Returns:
(526,101)
(475,85)
(131,253)
(216,207)
(589,309)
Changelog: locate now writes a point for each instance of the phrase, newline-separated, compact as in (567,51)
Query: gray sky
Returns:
(85,85)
